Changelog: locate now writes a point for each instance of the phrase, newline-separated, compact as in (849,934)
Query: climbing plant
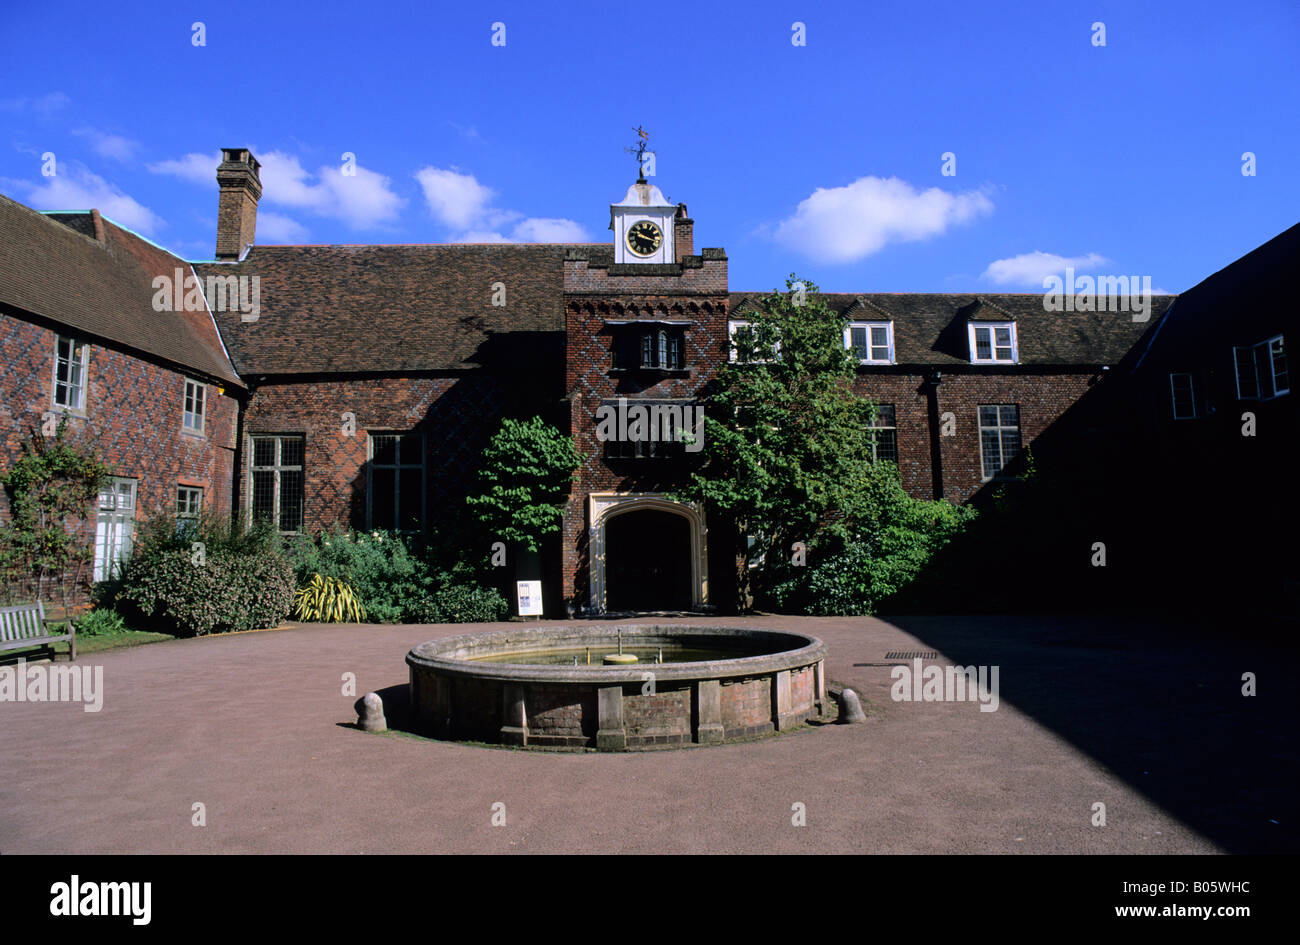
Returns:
(51,488)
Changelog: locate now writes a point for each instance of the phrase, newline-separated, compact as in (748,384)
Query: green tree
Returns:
(788,451)
(524,482)
(51,489)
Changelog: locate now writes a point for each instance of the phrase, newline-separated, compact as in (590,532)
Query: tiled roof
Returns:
(396,308)
(930,329)
(52,266)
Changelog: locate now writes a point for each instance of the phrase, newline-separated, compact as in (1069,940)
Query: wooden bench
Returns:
(23,626)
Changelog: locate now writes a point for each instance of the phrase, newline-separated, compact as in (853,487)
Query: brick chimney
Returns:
(241,188)
(683,234)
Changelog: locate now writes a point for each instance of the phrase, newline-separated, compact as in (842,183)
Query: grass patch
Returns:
(112,641)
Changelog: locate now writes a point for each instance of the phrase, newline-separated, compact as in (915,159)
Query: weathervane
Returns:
(643,137)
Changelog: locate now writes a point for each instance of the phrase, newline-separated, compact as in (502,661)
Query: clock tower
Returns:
(643,226)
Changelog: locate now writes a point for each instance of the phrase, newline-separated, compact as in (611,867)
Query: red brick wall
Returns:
(1042,399)
(561,710)
(801,689)
(663,713)
(133,415)
(746,704)
(457,415)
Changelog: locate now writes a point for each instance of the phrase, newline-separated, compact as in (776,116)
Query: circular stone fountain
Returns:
(550,687)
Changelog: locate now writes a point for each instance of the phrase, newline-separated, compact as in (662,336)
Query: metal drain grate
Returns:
(912,655)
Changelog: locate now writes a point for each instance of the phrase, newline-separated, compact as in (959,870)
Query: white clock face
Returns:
(644,238)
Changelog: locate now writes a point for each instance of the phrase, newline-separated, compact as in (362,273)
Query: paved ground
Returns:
(1145,718)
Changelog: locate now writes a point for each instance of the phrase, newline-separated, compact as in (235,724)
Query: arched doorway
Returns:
(648,561)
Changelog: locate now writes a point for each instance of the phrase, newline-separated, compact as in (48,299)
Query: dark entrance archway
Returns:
(648,561)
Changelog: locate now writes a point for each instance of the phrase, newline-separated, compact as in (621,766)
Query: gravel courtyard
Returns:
(1144,716)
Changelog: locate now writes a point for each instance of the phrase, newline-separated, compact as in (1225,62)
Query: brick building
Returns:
(1214,428)
(81,341)
(357,385)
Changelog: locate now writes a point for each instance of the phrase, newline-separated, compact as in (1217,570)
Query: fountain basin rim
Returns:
(797,650)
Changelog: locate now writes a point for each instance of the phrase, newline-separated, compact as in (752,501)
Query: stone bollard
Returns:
(851,708)
(370,713)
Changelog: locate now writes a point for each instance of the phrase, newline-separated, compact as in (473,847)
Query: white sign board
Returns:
(530,598)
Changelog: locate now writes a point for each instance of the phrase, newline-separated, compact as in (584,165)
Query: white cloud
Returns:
(549,230)
(363,200)
(530,230)
(481,236)
(75,188)
(194,167)
(1030,269)
(108,145)
(845,224)
(455,199)
(278,228)
(44,105)
(460,202)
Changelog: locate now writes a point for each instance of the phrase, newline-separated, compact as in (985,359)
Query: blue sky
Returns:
(823,159)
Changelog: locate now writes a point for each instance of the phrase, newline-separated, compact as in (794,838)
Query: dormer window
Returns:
(993,343)
(870,342)
(744,345)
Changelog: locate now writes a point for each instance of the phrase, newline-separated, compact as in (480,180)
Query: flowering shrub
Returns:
(228,591)
(202,576)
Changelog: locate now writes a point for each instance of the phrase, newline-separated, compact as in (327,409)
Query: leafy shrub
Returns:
(328,600)
(390,580)
(101,623)
(227,592)
(855,575)
(394,578)
(232,579)
(458,599)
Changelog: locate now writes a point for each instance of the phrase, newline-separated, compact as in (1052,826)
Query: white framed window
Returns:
(1182,392)
(70,364)
(114,527)
(396,482)
(1262,370)
(189,502)
(999,426)
(870,342)
(884,434)
(276,471)
(992,342)
(734,326)
(195,398)
(734,329)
